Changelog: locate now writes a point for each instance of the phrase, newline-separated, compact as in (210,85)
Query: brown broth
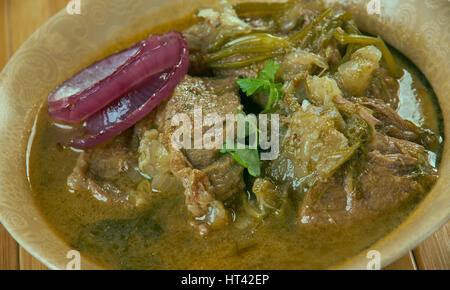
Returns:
(278,244)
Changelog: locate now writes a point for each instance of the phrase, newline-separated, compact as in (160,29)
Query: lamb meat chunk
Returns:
(325,203)
(109,163)
(399,164)
(223,172)
(210,94)
(331,201)
(391,145)
(208,176)
(201,158)
(226,178)
(384,87)
(393,125)
(386,178)
(388,173)
(109,173)
(217,27)
(387,182)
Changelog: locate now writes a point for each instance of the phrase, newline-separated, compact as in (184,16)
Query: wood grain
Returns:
(25,17)
(9,250)
(407,262)
(20,18)
(4,32)
(434,253)
(28,262)
(55,5)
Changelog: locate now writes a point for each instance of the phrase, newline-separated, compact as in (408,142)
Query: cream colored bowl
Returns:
(67,43)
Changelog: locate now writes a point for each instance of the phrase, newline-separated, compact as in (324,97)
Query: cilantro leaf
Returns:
(249,158)
(269,71)
(265,83)
(251,128)
(250,86)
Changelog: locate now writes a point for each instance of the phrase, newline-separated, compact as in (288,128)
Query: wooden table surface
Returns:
(20,18)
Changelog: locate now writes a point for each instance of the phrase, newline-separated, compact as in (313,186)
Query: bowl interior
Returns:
(67,43)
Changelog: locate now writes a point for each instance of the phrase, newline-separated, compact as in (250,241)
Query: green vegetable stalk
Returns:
(253,43)
(345,38)
(251,9)
(300,35)
(247,61)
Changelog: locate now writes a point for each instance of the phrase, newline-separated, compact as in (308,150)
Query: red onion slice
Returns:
(134,105)
(107,80)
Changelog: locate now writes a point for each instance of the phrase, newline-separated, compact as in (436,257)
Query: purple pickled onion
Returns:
(105,81)
(134,105)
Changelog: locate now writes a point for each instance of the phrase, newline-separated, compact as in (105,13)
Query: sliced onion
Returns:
(107,80)
(134,105)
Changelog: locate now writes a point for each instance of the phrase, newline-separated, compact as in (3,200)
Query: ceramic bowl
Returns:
(69,42)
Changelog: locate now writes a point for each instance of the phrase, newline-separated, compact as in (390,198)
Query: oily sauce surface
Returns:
(159,237)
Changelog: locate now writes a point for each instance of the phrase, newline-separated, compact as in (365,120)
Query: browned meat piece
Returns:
(390,145)
(400,164)
(197,63)
(384,87)
(201,158)
(325,203)
(216,27)
(211,95)
(225,175)
(223,172)
(332,54)
(208,176)
(108,173)
(109,163)
(387,178)
(393,125)
(200,35)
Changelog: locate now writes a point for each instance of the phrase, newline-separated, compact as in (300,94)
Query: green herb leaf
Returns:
(250,86)
(250,127)
(249,158)
(269,71)
(265,83)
